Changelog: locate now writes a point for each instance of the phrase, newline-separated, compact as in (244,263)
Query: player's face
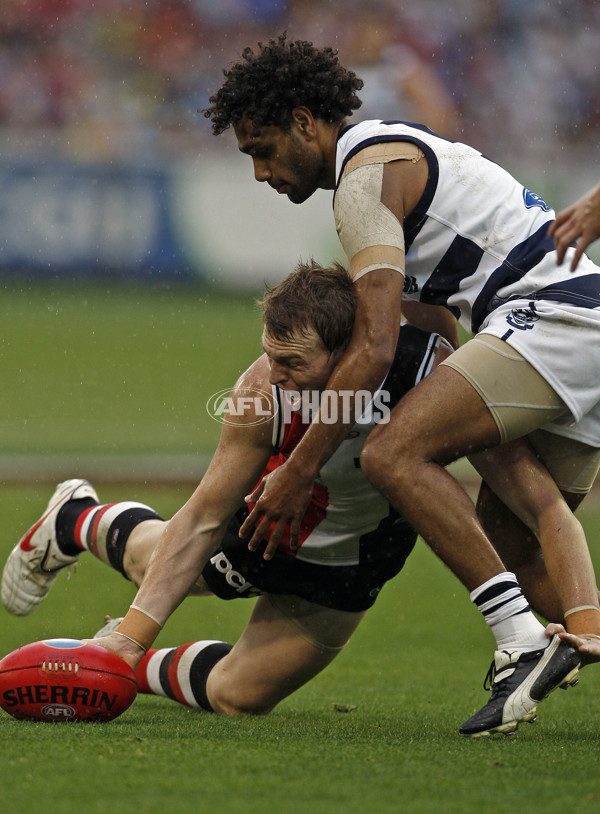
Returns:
(300,363)
(289,162)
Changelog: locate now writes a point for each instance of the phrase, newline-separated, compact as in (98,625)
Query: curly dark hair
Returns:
(265,86)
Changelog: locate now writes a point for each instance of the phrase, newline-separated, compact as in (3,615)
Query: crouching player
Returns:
(310,600)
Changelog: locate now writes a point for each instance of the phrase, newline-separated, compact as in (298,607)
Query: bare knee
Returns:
(226,701)
(378,463)
(229,696)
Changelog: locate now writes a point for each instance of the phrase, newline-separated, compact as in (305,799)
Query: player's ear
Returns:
(304,121)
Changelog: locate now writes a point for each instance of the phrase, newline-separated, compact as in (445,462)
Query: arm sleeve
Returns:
(370,233)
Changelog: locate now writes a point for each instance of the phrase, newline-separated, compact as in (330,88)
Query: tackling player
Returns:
(426,220)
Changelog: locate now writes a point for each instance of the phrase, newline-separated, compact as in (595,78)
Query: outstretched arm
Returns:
(195,531)
(580,222)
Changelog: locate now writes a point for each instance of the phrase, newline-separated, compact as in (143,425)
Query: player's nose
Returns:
(278,374)
(261,170)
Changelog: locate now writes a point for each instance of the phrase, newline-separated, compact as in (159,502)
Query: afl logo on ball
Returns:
(58,712)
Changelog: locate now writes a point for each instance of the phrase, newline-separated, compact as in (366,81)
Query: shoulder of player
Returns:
(394,173)
(250,402)
(257,375)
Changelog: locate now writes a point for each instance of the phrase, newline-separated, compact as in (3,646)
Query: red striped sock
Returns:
(180,673)
(101,529)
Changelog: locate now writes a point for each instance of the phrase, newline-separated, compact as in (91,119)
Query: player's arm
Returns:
(192,535)
(371,203)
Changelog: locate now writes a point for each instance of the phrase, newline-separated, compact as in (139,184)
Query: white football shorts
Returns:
(562,342)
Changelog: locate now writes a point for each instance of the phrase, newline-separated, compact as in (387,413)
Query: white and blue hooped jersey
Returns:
(477,238)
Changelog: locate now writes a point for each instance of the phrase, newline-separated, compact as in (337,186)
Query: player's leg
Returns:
(287,642)
(74,521)
(518,476)
(488,385)
(138,547)
(440,420)
(520,551)
(573,466)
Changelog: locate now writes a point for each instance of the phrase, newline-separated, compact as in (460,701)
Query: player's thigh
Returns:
(517,396)
(573,465)
(485,393)
(441,419)
(287,642)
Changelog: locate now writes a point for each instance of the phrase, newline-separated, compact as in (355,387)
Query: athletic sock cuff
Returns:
(66,520)
(493,587)
(201,667)
(119,531)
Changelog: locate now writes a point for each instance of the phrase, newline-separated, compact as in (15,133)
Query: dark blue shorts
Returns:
(235,572)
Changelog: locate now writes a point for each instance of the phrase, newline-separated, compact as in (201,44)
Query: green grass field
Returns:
(118,370)
(125,372)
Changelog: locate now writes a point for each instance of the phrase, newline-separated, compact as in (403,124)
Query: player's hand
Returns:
(580,222)
(588,645)
(128,651)
(281,499)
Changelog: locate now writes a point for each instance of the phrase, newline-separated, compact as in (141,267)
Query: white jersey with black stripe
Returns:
(345,506)
(477,238)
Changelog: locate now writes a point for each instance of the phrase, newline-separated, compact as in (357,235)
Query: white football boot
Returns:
(35,561)
(518,682)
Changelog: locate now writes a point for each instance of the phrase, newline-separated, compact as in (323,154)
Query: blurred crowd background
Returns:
(123,79)
(117,84)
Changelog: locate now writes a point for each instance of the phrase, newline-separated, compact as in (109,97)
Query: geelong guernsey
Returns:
(477,238)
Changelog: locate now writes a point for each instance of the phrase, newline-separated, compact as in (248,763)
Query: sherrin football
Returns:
(65,680)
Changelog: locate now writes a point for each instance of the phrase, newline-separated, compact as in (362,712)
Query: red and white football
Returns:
(65,680)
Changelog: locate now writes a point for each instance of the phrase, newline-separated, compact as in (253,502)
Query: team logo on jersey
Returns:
(248,403)
(522,318)
(532,199)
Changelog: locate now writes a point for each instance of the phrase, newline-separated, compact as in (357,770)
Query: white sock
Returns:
(508,614)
